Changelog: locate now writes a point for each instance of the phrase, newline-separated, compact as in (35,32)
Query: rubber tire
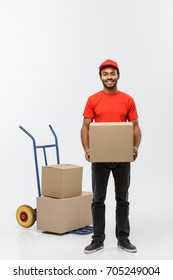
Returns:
(25,216)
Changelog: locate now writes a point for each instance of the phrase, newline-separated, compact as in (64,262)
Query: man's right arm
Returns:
(85,137)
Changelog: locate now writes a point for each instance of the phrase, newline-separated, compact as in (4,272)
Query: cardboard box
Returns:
(63,215)
(111,142)
(62,180)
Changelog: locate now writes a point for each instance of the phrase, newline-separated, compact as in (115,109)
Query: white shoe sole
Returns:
(93,251)
(128,250)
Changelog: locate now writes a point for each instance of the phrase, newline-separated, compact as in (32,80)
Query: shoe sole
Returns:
(93,251)
(128,250)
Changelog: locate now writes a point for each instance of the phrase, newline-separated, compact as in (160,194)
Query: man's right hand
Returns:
(87,155)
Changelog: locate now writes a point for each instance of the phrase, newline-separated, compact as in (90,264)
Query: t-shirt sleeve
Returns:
(89,110)
(132,112)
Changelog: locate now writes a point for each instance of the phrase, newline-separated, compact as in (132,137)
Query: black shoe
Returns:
(93,247)
(127,246)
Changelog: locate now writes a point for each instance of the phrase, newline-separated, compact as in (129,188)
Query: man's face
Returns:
(109,77)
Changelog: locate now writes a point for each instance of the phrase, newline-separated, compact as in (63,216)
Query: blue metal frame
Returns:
(83,231)
(44,147)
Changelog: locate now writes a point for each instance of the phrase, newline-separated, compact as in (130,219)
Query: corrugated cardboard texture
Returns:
(63,215)
(111,142)
(62,180)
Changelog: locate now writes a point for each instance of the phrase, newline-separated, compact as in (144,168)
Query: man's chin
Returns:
(110,86)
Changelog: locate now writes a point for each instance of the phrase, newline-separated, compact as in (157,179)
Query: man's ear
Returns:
(118,73)
(100,75)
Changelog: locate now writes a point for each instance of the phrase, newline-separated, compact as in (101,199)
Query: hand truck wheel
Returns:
(25,216)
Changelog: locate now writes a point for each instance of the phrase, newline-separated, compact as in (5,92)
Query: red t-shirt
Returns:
(104,107)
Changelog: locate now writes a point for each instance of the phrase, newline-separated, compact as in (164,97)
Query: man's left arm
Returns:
(137,134)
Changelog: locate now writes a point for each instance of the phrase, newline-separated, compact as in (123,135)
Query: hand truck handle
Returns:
(29,134)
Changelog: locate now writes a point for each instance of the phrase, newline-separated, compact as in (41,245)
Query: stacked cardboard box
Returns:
(62,180)
(63,206)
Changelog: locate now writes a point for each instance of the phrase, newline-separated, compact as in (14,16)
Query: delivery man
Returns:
(110,105)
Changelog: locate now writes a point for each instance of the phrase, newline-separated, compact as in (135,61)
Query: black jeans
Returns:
(100,176)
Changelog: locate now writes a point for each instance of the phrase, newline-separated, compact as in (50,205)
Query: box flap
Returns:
(111,124)
(62,166)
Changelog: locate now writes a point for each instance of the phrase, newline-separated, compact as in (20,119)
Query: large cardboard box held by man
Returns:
(63,215)
(111,142)
(62,180)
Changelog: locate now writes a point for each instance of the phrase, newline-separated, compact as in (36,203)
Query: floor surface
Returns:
(153,241)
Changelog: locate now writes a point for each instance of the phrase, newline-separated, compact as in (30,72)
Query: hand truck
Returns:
(25,214)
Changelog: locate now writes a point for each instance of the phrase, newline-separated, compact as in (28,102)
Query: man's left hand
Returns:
(135,152)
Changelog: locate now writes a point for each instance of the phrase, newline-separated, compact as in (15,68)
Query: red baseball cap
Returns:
(107,63)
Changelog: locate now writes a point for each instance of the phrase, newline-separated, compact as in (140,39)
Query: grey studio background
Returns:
(49,57)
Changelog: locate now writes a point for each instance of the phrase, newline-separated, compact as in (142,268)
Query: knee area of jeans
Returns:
(98,203)
(123,204)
